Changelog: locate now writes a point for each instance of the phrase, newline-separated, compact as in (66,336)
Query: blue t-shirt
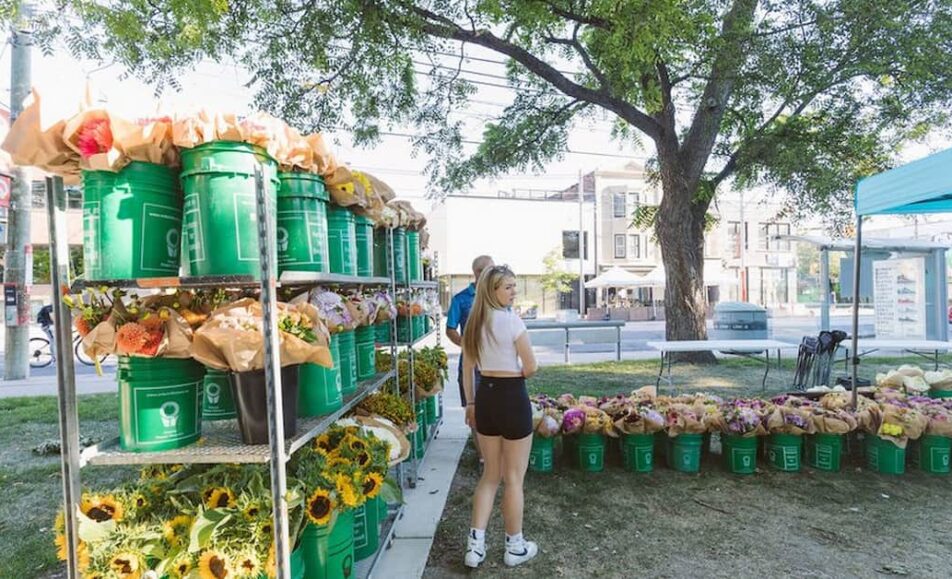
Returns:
(460,307)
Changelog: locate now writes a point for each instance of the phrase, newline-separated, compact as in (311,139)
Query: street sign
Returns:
(4,191)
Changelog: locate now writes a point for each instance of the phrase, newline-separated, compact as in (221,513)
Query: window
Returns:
(618,205)
(634,200)
(619,246)
(74,198)
(634,246)
(768,231)
(570,245)
(734,238)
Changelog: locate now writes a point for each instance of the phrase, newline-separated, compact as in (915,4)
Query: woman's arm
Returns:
(526,355)
(469,368)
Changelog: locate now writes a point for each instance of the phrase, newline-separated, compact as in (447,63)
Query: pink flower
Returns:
(95,136)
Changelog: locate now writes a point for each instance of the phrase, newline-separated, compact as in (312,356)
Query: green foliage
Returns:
(555,278)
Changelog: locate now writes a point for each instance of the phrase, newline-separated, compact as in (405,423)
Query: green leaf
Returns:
(391,492)
(205,525)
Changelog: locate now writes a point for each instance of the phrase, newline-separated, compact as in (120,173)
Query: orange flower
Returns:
(95,136)
(151,347)
(131,338)
(82,326)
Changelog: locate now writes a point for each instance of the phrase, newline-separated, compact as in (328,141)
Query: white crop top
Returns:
(499,354)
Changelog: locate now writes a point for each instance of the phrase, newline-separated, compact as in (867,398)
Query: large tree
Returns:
(805,96)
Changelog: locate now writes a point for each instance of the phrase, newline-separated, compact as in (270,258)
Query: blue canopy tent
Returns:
(923,186)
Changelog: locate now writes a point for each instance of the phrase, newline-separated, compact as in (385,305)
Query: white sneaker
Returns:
(475,553)
(519,554)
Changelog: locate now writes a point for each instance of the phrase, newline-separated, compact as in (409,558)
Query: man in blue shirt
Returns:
(456,320)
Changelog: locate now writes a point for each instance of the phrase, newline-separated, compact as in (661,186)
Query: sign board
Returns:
(899,298)
(10,304)
(5,186)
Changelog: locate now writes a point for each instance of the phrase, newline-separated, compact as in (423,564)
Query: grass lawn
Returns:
(855,523)
(32,485)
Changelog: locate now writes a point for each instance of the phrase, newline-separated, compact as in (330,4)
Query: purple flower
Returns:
(572,420)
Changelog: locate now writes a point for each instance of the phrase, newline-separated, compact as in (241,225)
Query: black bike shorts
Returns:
(502,408)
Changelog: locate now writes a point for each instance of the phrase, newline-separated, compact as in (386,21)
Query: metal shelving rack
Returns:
(221,442)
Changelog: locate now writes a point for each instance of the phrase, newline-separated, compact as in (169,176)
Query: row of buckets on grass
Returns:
(783,452)
(163,401)
(150,220)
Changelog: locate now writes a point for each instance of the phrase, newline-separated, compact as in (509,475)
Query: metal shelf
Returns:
(231,281)
(420,285)
(221,441)
(414,343)
(365,569)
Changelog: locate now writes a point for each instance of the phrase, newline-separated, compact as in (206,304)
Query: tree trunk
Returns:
(680,231)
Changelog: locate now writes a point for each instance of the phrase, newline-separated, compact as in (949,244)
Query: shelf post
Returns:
(272,372)
(65,375)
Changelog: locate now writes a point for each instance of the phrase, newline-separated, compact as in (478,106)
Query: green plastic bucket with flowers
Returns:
(319,388)
(740,453)
(400,254)
(342,240)
(367,528)
(684,452)
(132,222)
(404,329)
(328,550)
(824,451)
(220,220)
(364,237)
(382,333)
(217,403)
(427,324)
(637,452)
(414,259)
(931,454)
(301,233)
(591,452)
(417,327)
(381,253)
(160,403)
(432,409)
(784,451)
(347,345)
(885,456)
(541,454)
(364,337)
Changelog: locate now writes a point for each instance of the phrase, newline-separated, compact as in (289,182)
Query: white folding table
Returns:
(747,348)
(928,349)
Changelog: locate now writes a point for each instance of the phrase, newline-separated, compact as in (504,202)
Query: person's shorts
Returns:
(459,378)
(503,408)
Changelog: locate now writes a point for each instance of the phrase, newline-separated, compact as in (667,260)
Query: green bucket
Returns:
(419,409)
(400,255)
(160,410)
(740,453)
(784,451)
(347,344)
(541,454)
(404,329)
(381,253)
(824,451)
(132,222)
(342,240)
(382,333)
(931,454)
(217,403)
(414,259)
(301,234)
(427,324)
(591,452)
(220,220)
(319,388)
(940,393)
(365,246)
(419,437)
(367,528)
(684,452)
(883,456)
(329,552)
(364,337)
(417,327)
(432,409)
(637,452)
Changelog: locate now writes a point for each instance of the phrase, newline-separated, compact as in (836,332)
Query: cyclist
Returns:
(45,319)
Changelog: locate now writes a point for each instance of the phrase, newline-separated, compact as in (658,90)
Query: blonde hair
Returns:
(483,305)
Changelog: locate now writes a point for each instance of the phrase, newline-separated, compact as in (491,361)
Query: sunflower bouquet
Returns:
(390,406)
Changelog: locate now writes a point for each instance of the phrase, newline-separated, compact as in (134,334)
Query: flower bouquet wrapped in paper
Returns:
(358,307)
(232,338)
(791,417)
(740,417)
(638,418)
(681,418)
(938,415)
(832,415)
(390,406)
(546,417)
(36,140)
(332,310)
(939,380)
(382,308)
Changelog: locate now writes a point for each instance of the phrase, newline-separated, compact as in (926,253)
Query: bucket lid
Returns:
(300,184)
(159,178)
(227,157)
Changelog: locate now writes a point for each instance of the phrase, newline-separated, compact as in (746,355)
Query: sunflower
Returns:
(126,565)
(323,442)
(61,551)
(213,565)
(363,458)
(247,564)
(153,472)
(336,461)
(251,511)
(221,498)
(320,506)
(346,490)
(207,494)
(176,529)
(180,568)
(357,444)
(139,501)
(102,508)
(270,566)
(266,531)
(372,484)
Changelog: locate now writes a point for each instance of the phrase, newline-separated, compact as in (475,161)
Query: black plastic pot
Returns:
(251,403)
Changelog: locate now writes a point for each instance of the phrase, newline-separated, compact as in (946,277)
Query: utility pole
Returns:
(581,246)
(18,261)
(742,235)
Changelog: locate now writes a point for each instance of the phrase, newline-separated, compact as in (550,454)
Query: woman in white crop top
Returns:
(496,342)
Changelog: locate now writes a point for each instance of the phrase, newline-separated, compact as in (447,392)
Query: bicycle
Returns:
(41,355)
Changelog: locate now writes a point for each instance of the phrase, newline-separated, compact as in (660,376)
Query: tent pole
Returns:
(824,289)
(857,269)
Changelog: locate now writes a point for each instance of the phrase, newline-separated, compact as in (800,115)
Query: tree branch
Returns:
(442,27)
(579,18)
(586,58)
